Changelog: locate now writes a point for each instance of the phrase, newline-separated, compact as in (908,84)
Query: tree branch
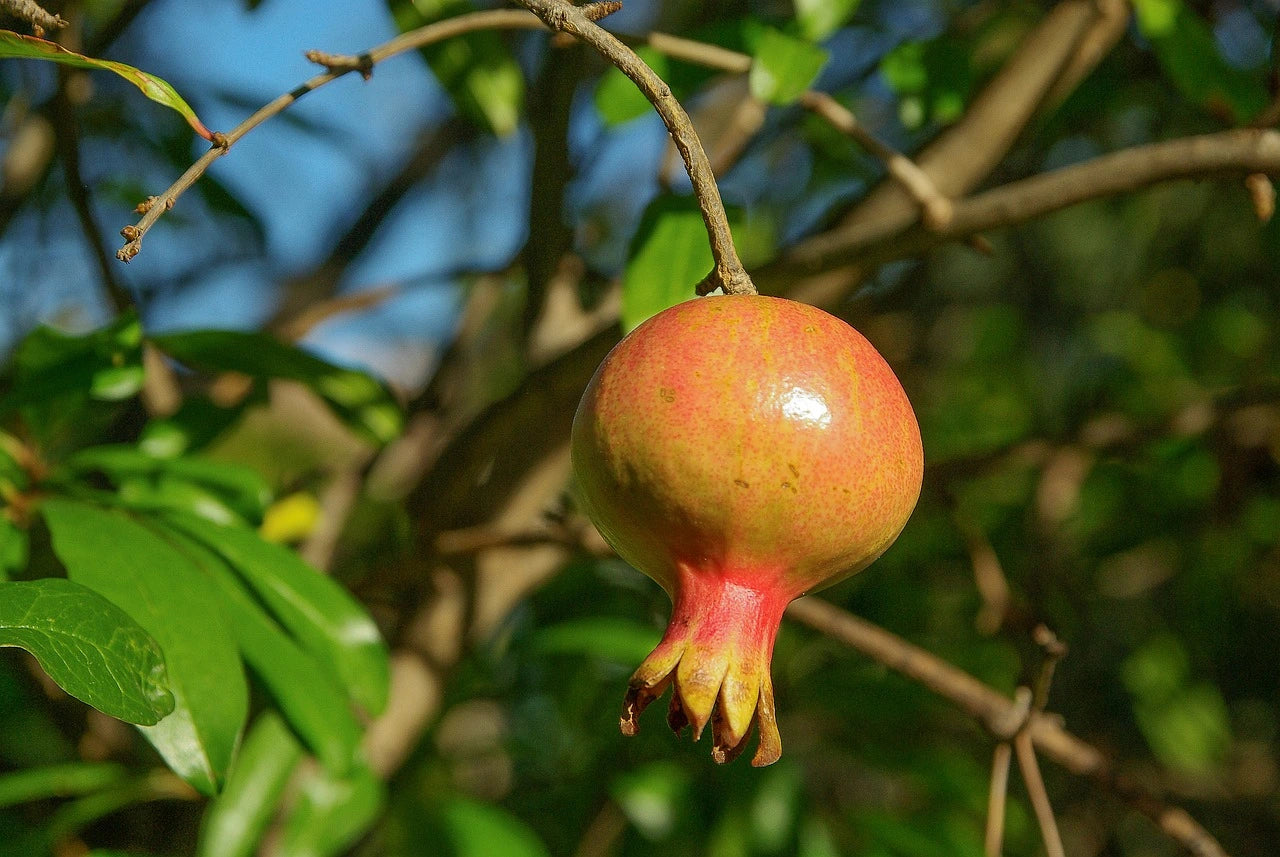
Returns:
(336,67)
(1239,151)
(992,708)
(728,274)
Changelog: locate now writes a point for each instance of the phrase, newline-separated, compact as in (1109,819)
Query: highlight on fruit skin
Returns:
(741,451)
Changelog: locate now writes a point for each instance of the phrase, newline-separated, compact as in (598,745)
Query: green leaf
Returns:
(302,688)
(243,488)
(237,818)
(198,422)
(784,67)
(89,646)
(618,99)
(671,253)
(332,812)
(476,829)
(146,576)
(1189,55)
(820,18)
(363,403)
(16,46)
(14,548)
(669,256)
(66,780)
(104,364)
(326,620)
(476,69)
(610,638)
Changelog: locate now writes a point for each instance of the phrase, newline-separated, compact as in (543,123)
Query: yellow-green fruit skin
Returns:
(750,442)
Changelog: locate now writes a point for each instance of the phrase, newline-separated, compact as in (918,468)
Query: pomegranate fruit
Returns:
(741,451)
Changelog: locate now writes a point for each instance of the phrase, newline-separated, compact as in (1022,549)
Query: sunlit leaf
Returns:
(13,45)
(129,564)
(784,67)
(820,18)
(332,812)
(304,689)
(89,646)
(327,621)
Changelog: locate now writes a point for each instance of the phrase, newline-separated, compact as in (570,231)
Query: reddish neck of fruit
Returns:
(737,608)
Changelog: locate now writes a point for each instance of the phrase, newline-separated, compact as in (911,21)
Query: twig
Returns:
(1030,769)
(35,15)
(728,274)
(996,798)
(991,707)
(935,207)
(411,40)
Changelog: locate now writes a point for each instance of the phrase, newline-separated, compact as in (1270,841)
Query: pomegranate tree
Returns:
(741,451)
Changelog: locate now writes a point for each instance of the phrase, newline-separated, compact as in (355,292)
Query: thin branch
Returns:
(728,274)
(1030,769)
(999,791)
(411,40)
(993,708)
(935,207)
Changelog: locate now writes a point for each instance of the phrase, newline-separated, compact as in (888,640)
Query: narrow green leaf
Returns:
(13,45)
(237,818)
(326,620)
(363,403)
(302,688)
(478,829)
(820,18)
(89,646)
(332,812)
(784,67)
(146,576)
(14,548)
(66,780)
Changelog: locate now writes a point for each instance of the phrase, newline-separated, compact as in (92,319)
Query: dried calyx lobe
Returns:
(741,451)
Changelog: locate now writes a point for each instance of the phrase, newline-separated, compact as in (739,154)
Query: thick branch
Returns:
(1240,151)
(728,274)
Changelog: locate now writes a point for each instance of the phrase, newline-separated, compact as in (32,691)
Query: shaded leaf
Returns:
(476,69)
(147,577)
(326,620)
(363,403)
(64,780)
(160,91)
(89,646)
(476,829)
(603,637)
(1189,55)
(243,488)
(237,818)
